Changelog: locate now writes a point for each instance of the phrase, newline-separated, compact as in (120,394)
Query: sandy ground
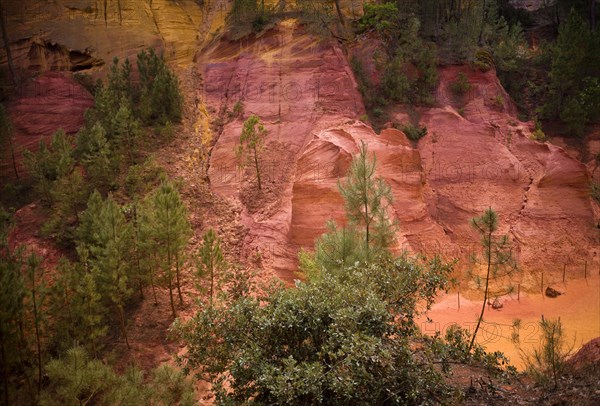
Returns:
(578,309)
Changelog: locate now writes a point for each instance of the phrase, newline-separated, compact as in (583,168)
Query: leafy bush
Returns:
(383,18)
(331,340)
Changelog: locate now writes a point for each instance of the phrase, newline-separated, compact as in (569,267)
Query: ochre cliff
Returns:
(304,91)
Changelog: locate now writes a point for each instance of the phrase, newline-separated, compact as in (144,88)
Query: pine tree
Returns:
(68,196)
(75,379)
(88,220)
(50,163)
(36,294)
(12,293)
(110,255)
(76,306)
(497,254)
(170,231)
(210,258)
(160,98)
(97,157)
(339,247)
(366,198)
(127,131)
(252,142)
(6,138)
(146,245)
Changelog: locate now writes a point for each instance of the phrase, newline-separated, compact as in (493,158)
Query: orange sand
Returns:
(578,309)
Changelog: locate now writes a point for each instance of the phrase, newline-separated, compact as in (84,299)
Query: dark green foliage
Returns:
(367,199)
(248,16)
(76,379)
(49,164)
(12,293)
(78,311)
(142,178)
(210,258)
(109,258)
(340,247)
(460,85)
(331,340)
(455,347)
(573,92)
(167,230)
(251,145)
(88,219)
(414,132)
(160,99)
(36,292)
(7,153)
(88,82)
(127,133)
(406,63)
(68,194)
(98,157)
(384,18)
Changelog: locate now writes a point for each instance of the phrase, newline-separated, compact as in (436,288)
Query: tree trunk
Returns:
(339,12)
(12,155)
(257,168)
(170,279)
(153,290)
(483,18)
(122,323)
(487,284)
(4,370)
(171,297)
(11,65)
(212,276)
(177,278)
(36,324)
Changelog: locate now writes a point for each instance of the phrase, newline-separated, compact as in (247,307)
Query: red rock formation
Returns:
(464,164)
(42,106)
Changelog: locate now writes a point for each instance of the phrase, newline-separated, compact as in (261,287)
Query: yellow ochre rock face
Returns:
(81,35)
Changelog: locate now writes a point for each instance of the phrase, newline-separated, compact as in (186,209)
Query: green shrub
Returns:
(484,61)
(460,85)
(595,191)
(414,132)
(333,339)
(538,134)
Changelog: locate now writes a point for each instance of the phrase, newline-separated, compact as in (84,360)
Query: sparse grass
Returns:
(498,101)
